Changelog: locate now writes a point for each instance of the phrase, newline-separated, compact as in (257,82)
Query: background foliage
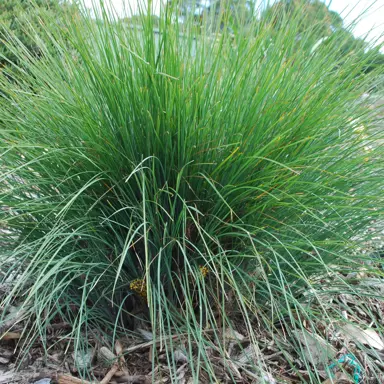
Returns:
(22,19)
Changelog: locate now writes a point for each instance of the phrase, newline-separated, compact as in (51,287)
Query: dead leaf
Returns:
(14,317)
(248,355)
(147,335)
(118,348)
(106,357)
(180,357)
(4,360)
(232,335)
(6,377)
(368,336)
(232,366)
(83,359)
(180,374)
(43,381)
(374,339)
(315,349)
(6,353)
(268,379)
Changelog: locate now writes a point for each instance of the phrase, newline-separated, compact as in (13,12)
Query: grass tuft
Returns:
(191,180)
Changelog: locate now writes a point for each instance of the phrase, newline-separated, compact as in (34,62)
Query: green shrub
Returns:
(22,18)
(151,158)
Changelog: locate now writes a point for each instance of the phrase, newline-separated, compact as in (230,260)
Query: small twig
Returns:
(143,345)
(68,379)
(152,343)
(115,367)
(10,336)
(273,355)
(110,374)
(63,325)
(147,344)
(249,373)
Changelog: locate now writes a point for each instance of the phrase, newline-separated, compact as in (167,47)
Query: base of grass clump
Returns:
(333,330)
(197,197)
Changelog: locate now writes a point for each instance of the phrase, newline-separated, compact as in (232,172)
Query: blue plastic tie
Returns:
(351,360)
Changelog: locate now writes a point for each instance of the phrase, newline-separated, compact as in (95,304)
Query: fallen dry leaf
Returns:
(232,335)
(248,355)
(180,357)
(83,359)
(374,339)
(368,336)
(317,350)
(105,357)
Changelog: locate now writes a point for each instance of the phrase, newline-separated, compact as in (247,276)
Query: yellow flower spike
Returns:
(204,270)
(139,286)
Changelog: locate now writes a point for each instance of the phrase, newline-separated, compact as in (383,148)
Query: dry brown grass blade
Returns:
(120,353)
(10,336)
(68,379)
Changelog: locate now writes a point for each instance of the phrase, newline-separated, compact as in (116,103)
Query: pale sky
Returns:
(372,21)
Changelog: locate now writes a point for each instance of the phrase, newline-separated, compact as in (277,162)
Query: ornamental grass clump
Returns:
(189,178)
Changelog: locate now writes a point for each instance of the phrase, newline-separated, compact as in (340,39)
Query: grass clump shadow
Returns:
(190,181)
